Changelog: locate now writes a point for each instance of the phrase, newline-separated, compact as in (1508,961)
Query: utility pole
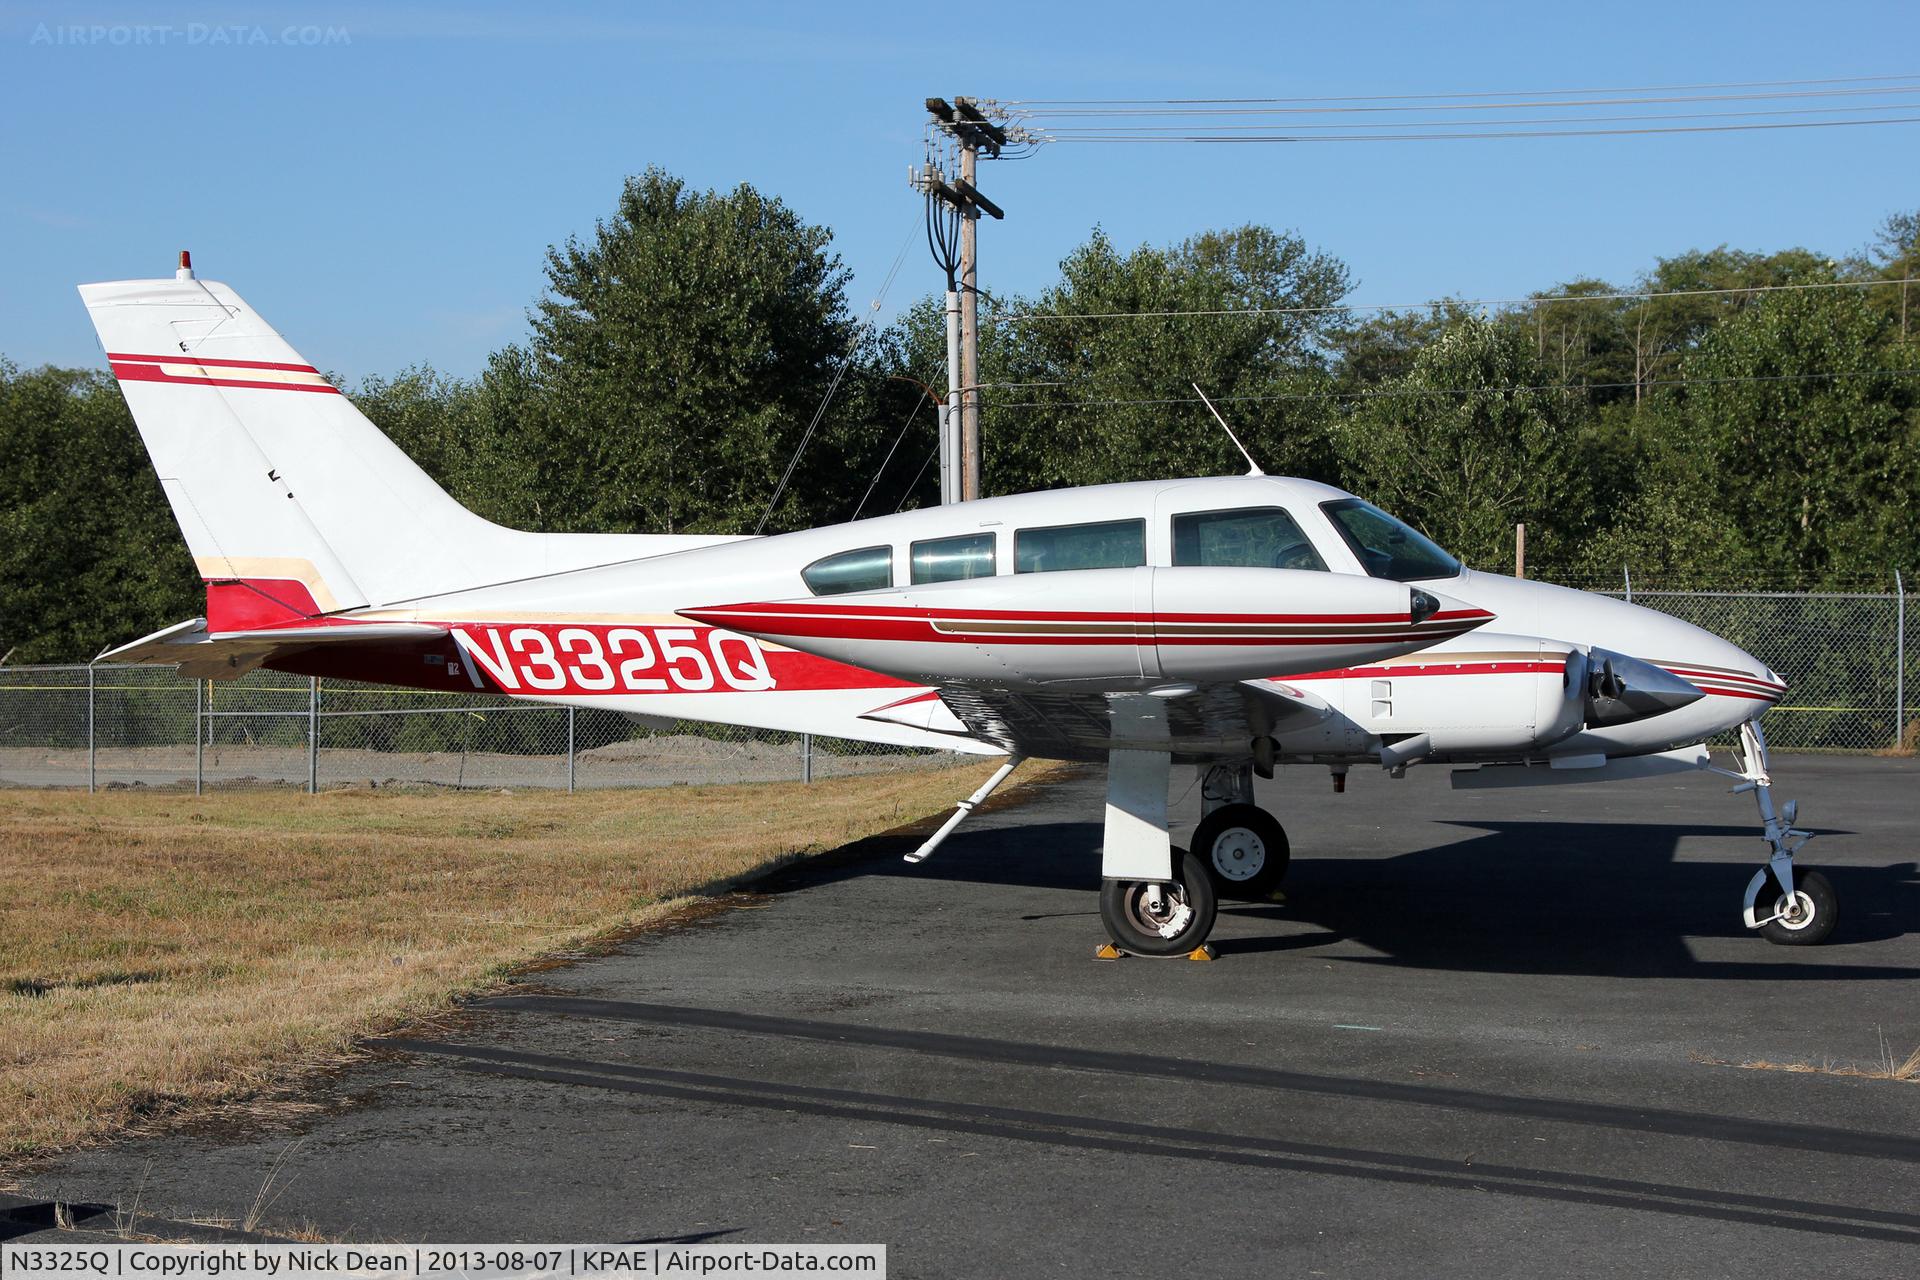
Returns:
(969,330)
(954,206)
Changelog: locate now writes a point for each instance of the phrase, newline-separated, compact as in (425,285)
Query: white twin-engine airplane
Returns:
(1231,624)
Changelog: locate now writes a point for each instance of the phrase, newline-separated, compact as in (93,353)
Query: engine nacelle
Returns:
(1527,694)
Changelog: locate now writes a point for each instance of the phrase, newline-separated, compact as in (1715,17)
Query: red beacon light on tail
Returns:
(186,266)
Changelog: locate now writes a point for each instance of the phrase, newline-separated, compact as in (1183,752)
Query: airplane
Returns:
(1231,624)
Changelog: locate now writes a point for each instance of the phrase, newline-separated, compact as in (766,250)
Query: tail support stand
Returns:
(966,807)
(1783,839)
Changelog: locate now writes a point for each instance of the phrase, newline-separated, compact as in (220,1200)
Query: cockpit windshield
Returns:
(1386,547)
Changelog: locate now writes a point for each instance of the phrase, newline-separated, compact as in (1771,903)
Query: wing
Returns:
(1210,721)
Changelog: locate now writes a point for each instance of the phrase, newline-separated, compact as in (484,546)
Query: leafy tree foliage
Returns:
(1468,443)
(1073,400)
(676,363)
(89,554)
(1798,425)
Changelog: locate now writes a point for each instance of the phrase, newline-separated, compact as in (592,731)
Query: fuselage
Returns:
(626,635)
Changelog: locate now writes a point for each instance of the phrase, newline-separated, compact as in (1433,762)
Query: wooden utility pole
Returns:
(970,129)
(1520,551)
(969,330)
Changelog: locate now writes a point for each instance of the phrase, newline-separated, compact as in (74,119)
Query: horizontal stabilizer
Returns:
(227,655)
(1545,774)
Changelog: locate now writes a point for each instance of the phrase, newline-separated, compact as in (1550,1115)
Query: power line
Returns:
(846,362)
(1442,303)
(1070,132)
(917,476)
(925,393)
(1414,104)
(1387,392)
(1483,134)
(1385,117)
(1524,93)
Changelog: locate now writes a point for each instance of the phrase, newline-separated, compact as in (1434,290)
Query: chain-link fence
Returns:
(115,726)
(1848,658)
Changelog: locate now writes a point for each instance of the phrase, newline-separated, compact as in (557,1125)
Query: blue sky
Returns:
(383,188)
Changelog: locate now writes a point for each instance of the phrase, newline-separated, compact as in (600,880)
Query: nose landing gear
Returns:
(1788,908)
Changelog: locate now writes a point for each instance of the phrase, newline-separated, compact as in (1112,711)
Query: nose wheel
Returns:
(1244,849)
(1785,906)
(1803,918)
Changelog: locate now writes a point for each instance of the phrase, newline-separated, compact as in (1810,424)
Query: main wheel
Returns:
(1155,918)
(1245,850)
(1808,919)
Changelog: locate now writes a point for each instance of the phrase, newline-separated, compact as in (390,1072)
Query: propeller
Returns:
(1621,689)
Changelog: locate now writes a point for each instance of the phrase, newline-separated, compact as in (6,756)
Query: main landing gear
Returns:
(1161,918)
(1243,847)
(1788,907)
(1155,899)
(1158,900)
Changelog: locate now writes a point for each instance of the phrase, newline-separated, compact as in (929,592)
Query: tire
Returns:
(1126,911)
(1244,849)
(1815,898)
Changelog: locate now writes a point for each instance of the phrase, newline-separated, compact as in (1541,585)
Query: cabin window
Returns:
(1248,538)
(1387,548)
(951,559)
(868,569)
(1111,544)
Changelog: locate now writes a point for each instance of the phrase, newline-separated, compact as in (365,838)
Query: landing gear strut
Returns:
(1243,847)
(1794,909)
(1155,900)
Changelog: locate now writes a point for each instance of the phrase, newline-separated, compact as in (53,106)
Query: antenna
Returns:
(1253,468)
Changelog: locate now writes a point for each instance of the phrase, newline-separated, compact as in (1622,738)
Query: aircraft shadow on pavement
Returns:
(1603,899)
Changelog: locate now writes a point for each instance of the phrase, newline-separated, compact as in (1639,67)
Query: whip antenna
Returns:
(1253,468)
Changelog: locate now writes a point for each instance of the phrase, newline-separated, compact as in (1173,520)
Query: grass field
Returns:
(162,953)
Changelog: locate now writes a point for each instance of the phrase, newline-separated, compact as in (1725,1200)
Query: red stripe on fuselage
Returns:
(808,609)
(1437,669)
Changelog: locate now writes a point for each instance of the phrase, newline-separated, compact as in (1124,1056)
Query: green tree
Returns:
(675,364)
(1895,255)
(89,554)
(1103,392)
(1468,443)
(1801,431)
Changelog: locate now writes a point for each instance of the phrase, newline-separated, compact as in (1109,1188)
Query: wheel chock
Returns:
(1108,951)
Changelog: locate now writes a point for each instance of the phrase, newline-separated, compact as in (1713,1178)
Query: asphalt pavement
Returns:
(1490,1033)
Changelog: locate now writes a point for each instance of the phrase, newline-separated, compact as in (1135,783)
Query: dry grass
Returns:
(1887,1066)
(1909,742)
(161,953)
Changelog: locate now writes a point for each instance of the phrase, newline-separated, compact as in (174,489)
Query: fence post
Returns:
(570,750)
(806,757)
(313,735)
(90,742)
(1899,660)
(1626,576)
(199,736)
